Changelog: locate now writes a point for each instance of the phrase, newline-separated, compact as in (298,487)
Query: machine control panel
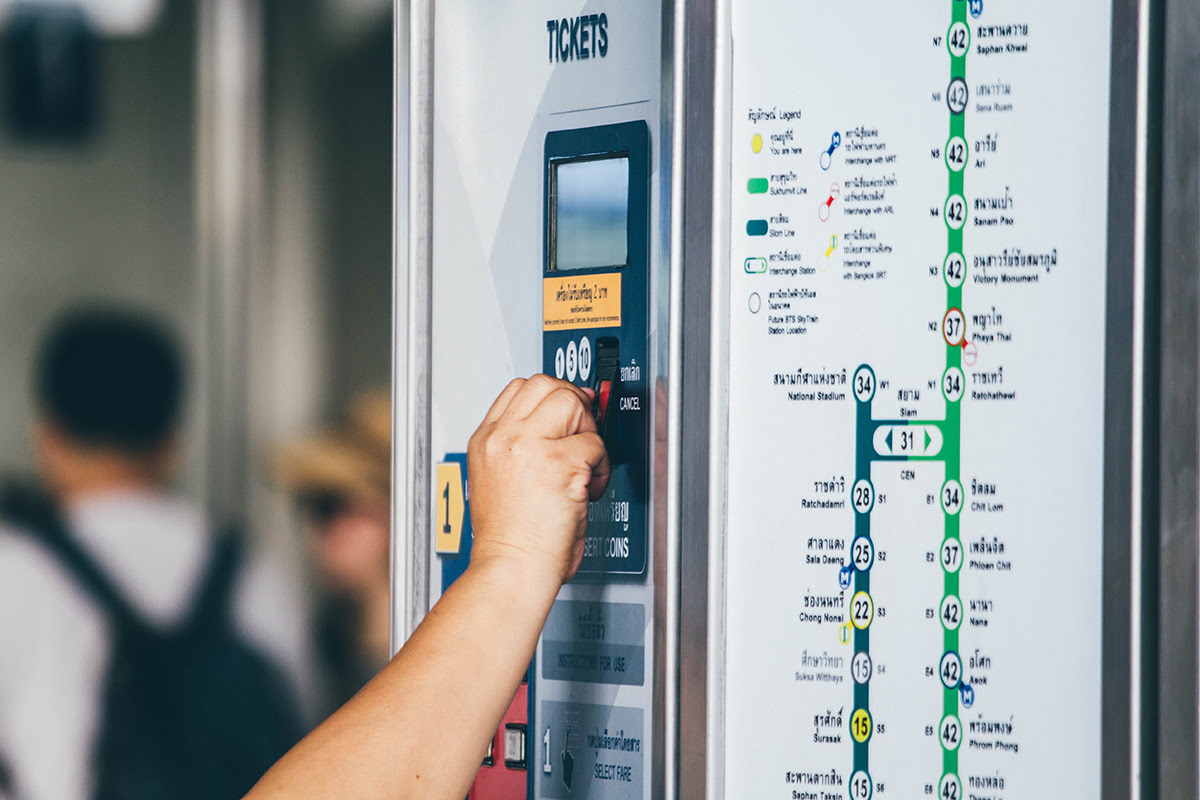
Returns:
(595,308)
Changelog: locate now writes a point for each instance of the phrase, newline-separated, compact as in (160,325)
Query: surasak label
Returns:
(581,301)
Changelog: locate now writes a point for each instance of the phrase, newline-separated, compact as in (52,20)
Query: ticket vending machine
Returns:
(547,251)
(891,329)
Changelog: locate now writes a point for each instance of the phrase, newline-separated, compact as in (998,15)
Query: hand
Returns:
(534,464)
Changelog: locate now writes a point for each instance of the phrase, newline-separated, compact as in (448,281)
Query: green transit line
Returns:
(952,427)
(757,186)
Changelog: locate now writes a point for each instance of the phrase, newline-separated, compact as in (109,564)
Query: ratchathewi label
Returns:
(581,301)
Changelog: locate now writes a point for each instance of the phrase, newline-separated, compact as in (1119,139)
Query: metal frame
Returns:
(718,396)
(667,318)
(1118,687)
(1173,350)
(229,209)
(411,387)
(699,755)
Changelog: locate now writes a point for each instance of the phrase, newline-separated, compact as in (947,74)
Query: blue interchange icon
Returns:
(845,575)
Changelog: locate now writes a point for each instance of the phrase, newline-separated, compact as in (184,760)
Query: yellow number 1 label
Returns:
(449,520)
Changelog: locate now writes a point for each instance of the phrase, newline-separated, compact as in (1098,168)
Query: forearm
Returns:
(421,727)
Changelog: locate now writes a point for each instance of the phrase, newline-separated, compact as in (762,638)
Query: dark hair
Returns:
(111,378)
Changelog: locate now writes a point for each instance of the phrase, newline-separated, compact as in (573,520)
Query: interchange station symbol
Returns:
(827,156)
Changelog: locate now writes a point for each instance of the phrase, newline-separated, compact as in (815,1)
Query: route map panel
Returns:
(916,437)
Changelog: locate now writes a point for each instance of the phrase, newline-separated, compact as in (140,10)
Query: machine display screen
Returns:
(590,214)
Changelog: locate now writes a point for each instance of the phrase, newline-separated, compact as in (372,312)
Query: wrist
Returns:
(518,571)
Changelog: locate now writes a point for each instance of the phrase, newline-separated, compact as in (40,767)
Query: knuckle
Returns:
(493,446)
(541,381)
(518,447)
(567,399)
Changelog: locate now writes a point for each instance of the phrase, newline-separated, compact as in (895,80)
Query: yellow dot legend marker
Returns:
(756,143)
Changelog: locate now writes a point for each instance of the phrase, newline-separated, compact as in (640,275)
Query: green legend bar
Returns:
(756,227)
(757,185)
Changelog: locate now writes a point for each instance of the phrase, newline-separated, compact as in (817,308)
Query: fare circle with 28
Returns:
(863,496)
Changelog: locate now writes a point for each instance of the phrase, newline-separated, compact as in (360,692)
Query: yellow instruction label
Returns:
(581,301)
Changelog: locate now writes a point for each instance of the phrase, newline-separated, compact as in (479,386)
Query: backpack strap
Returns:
(52,534)
(214,598)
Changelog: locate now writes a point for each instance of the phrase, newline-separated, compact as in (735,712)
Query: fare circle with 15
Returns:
(860,667)
(860,725)
(860,786)
(863,496)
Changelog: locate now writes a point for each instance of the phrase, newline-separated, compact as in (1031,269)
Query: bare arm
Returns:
(421,727)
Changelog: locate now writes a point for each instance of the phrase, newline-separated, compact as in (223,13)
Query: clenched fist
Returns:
(535,463)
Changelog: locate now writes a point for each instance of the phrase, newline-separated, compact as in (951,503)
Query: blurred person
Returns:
(141,656)
(341,482)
